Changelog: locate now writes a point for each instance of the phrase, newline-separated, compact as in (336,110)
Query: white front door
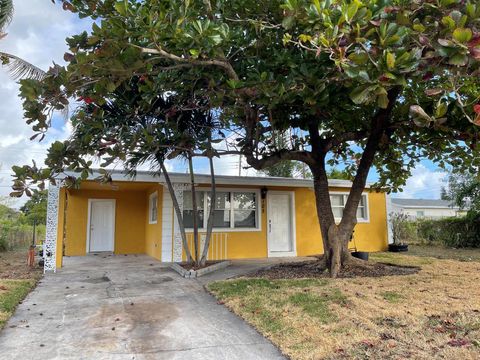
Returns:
(280,224)
(101,232)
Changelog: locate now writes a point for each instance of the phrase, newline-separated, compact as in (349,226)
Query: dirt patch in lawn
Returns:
(13,265)
(309,269)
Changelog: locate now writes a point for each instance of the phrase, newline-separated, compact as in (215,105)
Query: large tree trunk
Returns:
(336,236)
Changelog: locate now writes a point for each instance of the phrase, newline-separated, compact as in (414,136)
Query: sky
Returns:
(37,34)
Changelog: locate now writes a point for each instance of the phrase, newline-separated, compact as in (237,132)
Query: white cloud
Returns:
(424,183)
(37,34)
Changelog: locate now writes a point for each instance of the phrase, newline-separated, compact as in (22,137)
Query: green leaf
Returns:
(390,61)
(286,38)
(458,60)
(304,38)
(216,39)
(121,7)
(419,27)
(234,84)
(194,52)
(382,101)
(361,94)
(441,109)
(448,22)
(359,58)
(462,35)
(351,11)
(111,87)
(446,3)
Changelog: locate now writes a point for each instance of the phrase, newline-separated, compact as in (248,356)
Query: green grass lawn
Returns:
(16,281)
(11,293)
(432,314)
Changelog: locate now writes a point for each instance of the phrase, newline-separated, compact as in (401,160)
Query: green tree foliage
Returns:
(35,209)
(364,83)
(135,129)
(288,168)
(339,174)
(15,230)
(463,189)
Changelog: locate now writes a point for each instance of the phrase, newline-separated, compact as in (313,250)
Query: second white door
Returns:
(280,227)
(101,226)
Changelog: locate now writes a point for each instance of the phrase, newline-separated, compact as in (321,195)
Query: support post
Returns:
(50,245)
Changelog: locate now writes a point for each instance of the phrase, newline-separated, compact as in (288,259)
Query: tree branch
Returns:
(276,157)
(348,136)
(379,124)
(194,62)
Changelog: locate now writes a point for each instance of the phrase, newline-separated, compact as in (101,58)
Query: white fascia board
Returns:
(145,176)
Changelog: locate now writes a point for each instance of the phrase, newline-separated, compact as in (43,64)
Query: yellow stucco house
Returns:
(255,217)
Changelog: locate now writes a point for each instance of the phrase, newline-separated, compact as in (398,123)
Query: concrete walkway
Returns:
(128,307)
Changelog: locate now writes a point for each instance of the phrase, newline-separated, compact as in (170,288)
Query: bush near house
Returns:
(16,231)
(453,232)
(463,232)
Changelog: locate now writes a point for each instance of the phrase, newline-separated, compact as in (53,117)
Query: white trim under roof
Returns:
(146,176)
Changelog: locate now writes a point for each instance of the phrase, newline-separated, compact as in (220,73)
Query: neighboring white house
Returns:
(425,208)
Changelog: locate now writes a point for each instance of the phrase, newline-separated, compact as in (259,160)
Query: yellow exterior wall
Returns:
(371,236)
(130,215)
(309,239)
(153,232)
(134,234)
(60,228)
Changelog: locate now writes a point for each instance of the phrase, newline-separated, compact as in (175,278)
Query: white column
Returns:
(167,225)
(50,245)
(177,236)
(388,206)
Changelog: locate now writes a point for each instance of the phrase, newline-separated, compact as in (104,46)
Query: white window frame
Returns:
(152,196)
(367,207)
(258,214)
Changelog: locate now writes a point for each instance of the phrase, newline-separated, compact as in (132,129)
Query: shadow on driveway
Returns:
(128,307)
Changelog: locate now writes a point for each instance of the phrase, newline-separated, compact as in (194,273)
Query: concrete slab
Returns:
(247,266)
(127,307)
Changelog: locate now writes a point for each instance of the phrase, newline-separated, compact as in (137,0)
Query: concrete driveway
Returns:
(126,307)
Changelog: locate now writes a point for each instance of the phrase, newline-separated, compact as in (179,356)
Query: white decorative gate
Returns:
(50,245)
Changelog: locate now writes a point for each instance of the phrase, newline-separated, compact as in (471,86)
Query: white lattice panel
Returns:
(50,246)
(177,236)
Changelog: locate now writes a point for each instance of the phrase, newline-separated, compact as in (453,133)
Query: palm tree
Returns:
(17,67)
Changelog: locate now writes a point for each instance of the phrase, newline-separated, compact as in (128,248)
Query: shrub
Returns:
(15,235)
(454,232)
(403,230)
